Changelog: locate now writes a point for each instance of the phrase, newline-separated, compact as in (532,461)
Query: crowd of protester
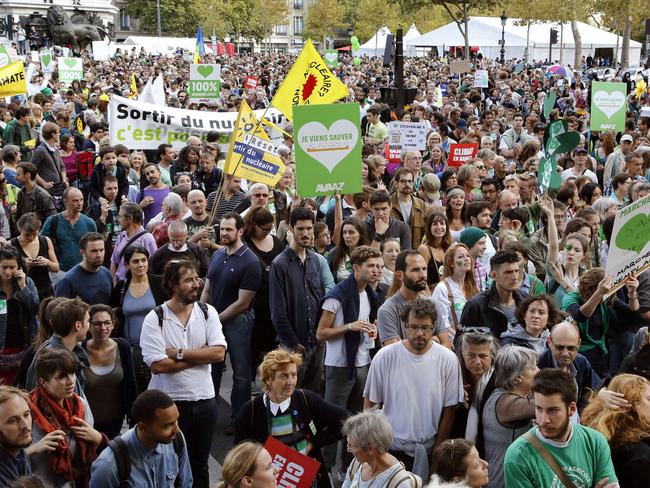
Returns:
(445,325)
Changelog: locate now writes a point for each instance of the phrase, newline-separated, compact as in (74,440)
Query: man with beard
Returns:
(234,275)
(155,447)
(152,196)
(582,453)
(88,280)
(16,435)
(416,368)
(197,224)
(180,339)
(295,291)
(411,272)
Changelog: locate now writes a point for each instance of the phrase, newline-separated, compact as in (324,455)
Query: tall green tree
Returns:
(176,18)
(323,18)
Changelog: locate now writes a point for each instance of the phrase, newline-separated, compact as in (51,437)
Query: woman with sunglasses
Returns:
(110,388)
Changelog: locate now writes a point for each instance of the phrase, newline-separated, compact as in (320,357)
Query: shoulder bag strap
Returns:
(548,457)
(131,241)
(450,296)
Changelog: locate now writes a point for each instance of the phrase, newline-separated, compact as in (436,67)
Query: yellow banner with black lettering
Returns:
(251,154)
(12,79)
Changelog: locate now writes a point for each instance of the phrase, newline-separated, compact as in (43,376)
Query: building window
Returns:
(297,26)
(281,29)
(125,20)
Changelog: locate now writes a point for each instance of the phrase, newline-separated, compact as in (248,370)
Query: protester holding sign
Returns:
(298,418)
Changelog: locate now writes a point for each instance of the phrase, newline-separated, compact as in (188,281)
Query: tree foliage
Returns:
(177,18)
(324,17)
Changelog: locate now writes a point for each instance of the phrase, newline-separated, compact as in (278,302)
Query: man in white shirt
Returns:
(416,368)
(180,339)
(580,158)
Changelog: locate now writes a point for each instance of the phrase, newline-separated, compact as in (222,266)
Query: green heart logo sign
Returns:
(3,305)
(205,71)
(4,59)
(547,174)
(70,62)
(549,102)
(46,59)
(635,234)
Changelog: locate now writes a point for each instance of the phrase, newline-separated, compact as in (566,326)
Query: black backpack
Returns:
(159,312)
(123,463)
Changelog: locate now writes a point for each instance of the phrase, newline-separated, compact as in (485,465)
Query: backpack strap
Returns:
(179,448)
(159,313)
(122,461)
(204,309)
(450,296)
(549,459)
(402,475)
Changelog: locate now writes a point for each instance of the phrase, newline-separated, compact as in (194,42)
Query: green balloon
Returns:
(357,61)
(354,40)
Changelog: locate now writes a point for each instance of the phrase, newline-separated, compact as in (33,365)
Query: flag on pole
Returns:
(251,154)
(199,50)
(133,88)
(309,82)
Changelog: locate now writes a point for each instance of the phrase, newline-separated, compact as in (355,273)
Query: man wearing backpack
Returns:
(148,454)
(180,339)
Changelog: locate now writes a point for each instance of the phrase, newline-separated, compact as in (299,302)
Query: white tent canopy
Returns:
(485,33)
(412,33)
(376,44)
(162,45)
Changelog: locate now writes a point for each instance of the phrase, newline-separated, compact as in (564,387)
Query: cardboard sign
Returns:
(608,106)
(328,148)
(46,61)
(331,58)
(481,78)
(296,469)
(460,154)
(403,136)
(70,69)
(205,83)
(251,82)
(460,66)
(629,250)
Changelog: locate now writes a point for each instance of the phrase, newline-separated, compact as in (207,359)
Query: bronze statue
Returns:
(63,32)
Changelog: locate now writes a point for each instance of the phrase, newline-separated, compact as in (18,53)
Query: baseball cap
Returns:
(581,150)
(461,124)
(627,137)
(104,98)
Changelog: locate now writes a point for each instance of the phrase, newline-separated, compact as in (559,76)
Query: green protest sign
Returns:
(332,58)
(5,59)
(328,148)
(70,69)
(608,106)
(46,61)
(205,83)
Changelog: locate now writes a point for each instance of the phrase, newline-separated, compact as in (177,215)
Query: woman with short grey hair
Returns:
(369,437)
(510,408)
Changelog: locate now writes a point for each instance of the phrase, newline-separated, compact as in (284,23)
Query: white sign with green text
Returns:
(205,83)
(70,69)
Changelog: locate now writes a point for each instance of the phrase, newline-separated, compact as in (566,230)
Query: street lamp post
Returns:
(158,26)
(503,36)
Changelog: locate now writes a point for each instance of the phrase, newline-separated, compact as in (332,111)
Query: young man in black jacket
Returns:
(109,166)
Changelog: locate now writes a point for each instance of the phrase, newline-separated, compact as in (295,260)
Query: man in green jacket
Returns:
(18,132)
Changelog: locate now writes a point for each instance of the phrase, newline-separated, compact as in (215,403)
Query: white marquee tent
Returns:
(162,45)
(485,33)
(376,44)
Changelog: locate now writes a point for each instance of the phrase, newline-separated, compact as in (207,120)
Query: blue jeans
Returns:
(619,346)
(196,421)
(238,332)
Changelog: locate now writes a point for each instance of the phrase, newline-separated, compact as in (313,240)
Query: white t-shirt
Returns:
(406,210)
(335,349)
(413,390)
(568,173)
(440,299)
(191,384)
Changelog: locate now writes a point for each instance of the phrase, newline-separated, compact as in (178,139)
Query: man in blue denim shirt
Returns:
(153,460)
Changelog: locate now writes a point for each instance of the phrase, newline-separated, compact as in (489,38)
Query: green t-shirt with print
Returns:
(586,459)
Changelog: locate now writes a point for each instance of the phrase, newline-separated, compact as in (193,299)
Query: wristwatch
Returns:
(179,355)
(379,237)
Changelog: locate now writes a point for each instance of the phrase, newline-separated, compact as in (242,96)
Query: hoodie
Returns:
(518,336)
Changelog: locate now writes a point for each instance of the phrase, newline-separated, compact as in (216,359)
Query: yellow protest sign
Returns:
(12,79)
(251,154)
(309,82)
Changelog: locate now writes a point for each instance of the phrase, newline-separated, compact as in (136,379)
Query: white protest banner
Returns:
(205,83)
(140,125)
(101,50)
(408,135)
(629,250)
(70,69)
(481,79)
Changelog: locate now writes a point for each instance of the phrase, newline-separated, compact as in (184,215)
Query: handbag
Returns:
(548,457)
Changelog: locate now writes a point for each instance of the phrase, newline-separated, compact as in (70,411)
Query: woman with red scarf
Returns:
(55,407)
